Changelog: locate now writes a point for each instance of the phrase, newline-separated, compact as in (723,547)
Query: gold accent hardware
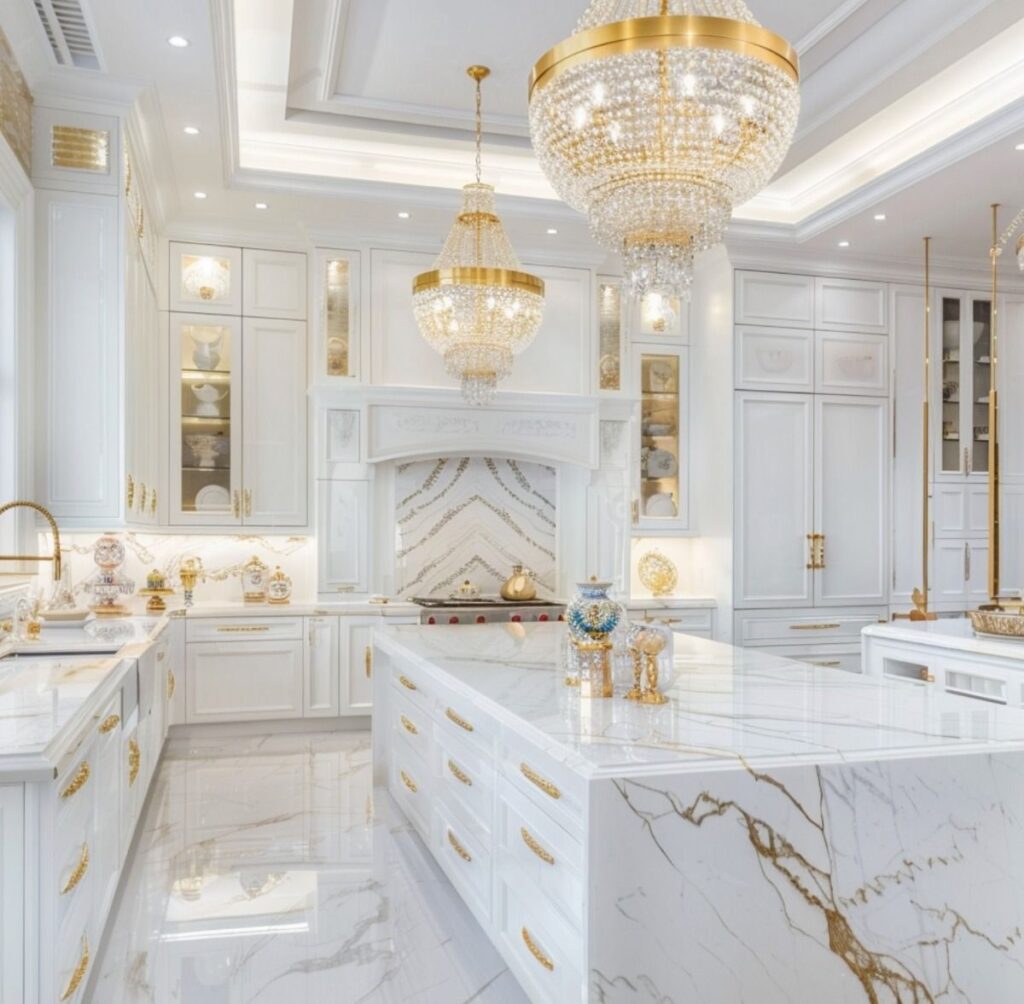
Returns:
(368,661)
(815,627)
(461,722)
(967,460)
(926,676)
(821,551)
(143,495)
(161,655)
(830,664)
(531,842)
(81,776)
(635,508)
(811,554)
(80,970)
(171,683)
(130,492)
(247,495)
(536,952)
(459,774)
(408,726)
(152,502)
(48,516)
(236,504)
(408,782)
(80,149)
(477,276)
(110,723)
(134,760)
(534,778)
(243,629)
(79,871)
(458,848)
(407,683)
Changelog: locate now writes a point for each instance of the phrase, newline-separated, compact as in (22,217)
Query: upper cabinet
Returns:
(205,278)
(611,336)
(774,299)
(851,305)
(335,310)
(274,284)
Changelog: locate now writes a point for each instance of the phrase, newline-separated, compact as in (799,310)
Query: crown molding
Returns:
(144,127)
(223,44)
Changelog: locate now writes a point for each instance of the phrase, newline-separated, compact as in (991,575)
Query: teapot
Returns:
(519,586)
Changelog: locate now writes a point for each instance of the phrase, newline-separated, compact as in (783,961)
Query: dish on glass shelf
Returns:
(661,464)
(661,377)
(213,498)
(660,505)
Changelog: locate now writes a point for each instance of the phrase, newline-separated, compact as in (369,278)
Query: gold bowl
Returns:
(1000,624)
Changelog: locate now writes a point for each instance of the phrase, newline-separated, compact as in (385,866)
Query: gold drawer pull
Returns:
(80,970)
(243,629)
(458,848)
(134,760)
(161,655)
(407,683)
(81,776)
(171,683)
(110,723)
(368,661)
(831,664)
(815,627)
(926,675)
(536,952)
(408,782)
(460,775)
(461,722)
(409,727)
(543,783)
(531,842)
(79,872)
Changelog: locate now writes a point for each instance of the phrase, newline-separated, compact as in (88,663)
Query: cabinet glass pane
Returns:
(336,316)
(206,365)
(981,348)
(951,456)
(610,329)
(659,436)
(205,278)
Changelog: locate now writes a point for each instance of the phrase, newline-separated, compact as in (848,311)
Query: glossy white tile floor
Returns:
(267,874)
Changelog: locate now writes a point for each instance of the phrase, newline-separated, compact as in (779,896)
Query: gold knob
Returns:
(926,676)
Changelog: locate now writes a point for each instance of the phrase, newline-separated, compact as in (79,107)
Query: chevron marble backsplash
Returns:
(473,518)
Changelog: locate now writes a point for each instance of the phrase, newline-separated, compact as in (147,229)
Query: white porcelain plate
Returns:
(213,498)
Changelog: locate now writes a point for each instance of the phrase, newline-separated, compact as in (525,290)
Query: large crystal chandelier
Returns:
(656,118)
(476,306)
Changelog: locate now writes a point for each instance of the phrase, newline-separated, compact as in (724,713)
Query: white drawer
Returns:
(414,725)
(756,629)
(467,778)
(844,657)
(460,717)
(464,857)
(253,628)
(547,854)
(685,620)
(411,788)
(556,791)
(73,955)
(546,954)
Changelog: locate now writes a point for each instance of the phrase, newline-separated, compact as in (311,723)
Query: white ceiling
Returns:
(340,113)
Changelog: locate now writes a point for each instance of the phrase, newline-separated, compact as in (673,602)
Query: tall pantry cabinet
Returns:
(811,464)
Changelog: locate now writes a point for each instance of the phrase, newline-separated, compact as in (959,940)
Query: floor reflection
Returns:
(266,873)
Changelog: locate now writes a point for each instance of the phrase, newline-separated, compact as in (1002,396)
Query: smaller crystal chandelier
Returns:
(206,278)
(476,306)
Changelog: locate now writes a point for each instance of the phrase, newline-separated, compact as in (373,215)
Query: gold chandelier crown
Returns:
(658,117)
(476,306)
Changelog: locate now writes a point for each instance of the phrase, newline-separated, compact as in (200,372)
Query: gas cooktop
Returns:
(456,603)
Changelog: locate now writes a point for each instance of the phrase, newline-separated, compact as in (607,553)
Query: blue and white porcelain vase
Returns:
(593,615)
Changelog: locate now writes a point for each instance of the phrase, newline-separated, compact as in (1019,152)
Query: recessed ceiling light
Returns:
(879,217)
(261,205)
(178,41)
(552,230)
(190,131)
(199,195)
(1020,146)
(844,244)
(403,216)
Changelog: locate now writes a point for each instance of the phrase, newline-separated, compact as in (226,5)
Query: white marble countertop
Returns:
(393,608)
(950,633)
(730,708)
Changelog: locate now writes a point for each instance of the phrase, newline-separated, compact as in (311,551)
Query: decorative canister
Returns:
(108,585)
(254,581)
(279,587)
(518,586)
(592,615)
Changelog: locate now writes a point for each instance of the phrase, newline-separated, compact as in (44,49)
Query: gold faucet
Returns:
(55,557)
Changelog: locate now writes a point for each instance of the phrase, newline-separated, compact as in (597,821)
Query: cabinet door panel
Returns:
(342,538)
(274,443)
(243,681)
(852,363)
(851,305)
(357,664)
(950,574)
(12,893)
(774,486)
(774,359)
(775,299)
(851,499)
(274,284)
(205,278)
(321,669)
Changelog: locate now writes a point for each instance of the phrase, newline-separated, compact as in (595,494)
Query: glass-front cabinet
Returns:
(962,384)
(661,500)
(205,278)
(611,335)
(205,447)
(336,289)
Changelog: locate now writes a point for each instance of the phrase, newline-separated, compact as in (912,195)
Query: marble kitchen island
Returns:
(778,832)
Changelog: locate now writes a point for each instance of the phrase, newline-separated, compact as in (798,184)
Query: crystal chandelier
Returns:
(476,307)
(657,118)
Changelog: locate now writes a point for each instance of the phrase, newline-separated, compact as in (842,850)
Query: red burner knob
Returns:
(453,620)
(543,617)
(480,619)
(561,617)
(431,620)
(515,618)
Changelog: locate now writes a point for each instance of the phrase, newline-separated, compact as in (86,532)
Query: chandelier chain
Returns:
(479,129)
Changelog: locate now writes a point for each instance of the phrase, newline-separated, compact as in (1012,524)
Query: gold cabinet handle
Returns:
(409,727)
(368,661)
(536,952)
(171,683)
(815,627)
(236,504)
(831,664)
(80,970)
(408,782)
(110,723)
(821,551)
(243,629)
(143,493)
(134,760)
(79,871)
(130,491)
(531,842)
(407,683)
(926,676)
(541,782)
(152,502)
(635,511)
(81,776)
(460,775)
(247,495)
(812,563)
(460,721)
(458,848)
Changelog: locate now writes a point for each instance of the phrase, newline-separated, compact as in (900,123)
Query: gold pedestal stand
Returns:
(156,604)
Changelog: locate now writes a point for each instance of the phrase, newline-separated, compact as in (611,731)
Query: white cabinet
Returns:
(851,363)
(960,510)
(774,299)
(851,305)
(321,678)
(274,284)
(205,278)
(774,359)
(774,492)
(12,893)
(78,361)
(357,664)
(243,681)
(343,534)
(274,444)
(960,578)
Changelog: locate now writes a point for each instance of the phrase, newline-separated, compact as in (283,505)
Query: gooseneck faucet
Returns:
(48,516)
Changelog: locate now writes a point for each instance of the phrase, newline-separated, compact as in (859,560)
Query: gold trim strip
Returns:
(815,627)
(458,848)
(235,629)
(459,774)
(473,276)
(80,869)
(80,970)
(408,726)
(81,776)
(674,31)
(110,723)
(536,952)
(541,782)
(531,842)
(460,721)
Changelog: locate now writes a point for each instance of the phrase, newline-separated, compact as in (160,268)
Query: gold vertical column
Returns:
(926,427)
(993,420)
